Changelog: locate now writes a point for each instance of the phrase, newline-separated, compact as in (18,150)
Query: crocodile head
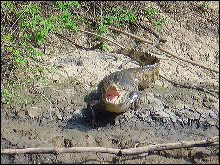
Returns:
(117,92)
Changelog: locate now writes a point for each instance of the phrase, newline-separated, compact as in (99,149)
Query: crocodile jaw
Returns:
(112,94)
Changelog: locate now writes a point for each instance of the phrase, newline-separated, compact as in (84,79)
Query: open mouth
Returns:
(112,94)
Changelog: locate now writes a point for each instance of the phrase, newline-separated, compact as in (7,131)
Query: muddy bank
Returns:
(166,113)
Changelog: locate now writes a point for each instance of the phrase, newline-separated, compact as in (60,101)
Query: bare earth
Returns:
(167,113)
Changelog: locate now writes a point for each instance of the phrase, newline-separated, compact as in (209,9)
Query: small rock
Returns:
(34,112)
(164,114)
(21,114)
(58,114)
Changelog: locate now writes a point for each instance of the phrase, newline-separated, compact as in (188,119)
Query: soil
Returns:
(167,113)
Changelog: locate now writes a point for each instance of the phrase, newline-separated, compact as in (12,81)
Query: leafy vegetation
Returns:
(151,13)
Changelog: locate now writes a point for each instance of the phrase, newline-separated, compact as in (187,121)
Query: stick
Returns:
(101,37)
(170,146)
(131,151)
(131,35)
(159,39)
(56,150)
(186,60)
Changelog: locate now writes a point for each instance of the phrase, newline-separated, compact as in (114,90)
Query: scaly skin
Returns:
(118,91)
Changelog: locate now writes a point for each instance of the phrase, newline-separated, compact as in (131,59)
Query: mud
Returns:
(166,113)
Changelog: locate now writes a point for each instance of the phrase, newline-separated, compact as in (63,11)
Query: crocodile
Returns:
(118,91)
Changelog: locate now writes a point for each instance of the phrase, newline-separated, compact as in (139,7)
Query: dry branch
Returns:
(186,60)
(119,152)
(101,37)
(131,35)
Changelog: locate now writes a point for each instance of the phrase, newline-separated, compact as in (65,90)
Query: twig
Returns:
(19,18)
(186,60)
(131,151)
(159,39)
(131,35)
(101,37)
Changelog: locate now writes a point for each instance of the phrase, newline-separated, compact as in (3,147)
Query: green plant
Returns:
(37,26)
(66,17)
(80,18)
(107,19)
(158,24)
(101,29)
(116,15)
(17,58)
(205,3)
(115,10)
(104,47)
(119,15)
(149,11)
(127,15)
(19,51)
(6,96)
(8,6)
(34,27)
(28,26)
(64,6)
(151,14)
(33,53)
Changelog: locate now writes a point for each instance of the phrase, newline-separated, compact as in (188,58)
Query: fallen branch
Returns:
(101,37)
(186,60)
(131,151)
(159,39)
(131,35)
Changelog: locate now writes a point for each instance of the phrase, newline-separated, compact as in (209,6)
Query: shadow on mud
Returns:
(84,122)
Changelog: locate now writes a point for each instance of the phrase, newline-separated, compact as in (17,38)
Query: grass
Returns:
(151,14)
(25,27)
